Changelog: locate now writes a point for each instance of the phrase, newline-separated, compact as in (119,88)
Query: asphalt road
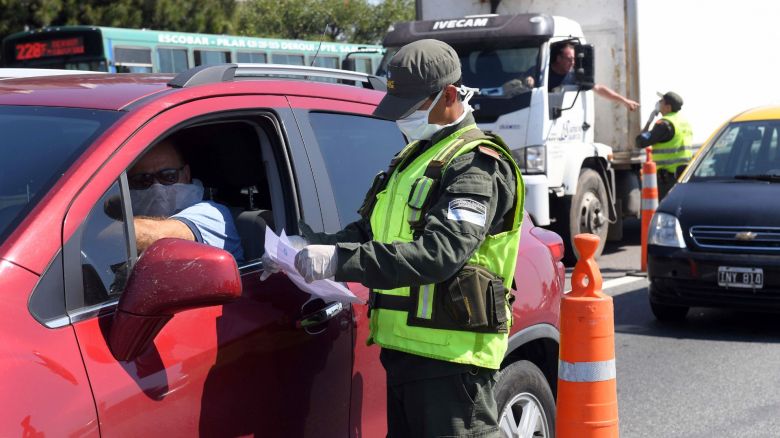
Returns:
(714,375)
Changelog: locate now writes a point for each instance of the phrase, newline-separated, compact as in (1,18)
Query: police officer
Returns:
(670,137)
(437,245)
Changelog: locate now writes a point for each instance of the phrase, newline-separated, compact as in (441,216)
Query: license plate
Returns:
(747,278)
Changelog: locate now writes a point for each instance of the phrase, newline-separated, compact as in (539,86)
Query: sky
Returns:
(720,56)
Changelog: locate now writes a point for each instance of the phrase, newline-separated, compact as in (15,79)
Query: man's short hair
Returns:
(557,48)
(171,141)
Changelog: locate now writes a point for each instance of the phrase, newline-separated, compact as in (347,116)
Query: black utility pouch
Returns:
(380,180)
(475,299)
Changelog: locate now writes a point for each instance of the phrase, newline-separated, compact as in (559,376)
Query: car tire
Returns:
(526,405)
(585,212)
(665,312)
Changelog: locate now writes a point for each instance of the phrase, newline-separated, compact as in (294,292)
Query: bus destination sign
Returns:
(42,49)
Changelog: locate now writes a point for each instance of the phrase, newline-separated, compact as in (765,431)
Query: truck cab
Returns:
(567,175)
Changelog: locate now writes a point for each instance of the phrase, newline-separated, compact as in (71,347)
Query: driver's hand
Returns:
(269,267)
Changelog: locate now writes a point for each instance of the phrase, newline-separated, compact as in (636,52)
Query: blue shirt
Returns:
(555,80)
(212,224)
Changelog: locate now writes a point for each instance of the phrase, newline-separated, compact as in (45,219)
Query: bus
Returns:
(117,50)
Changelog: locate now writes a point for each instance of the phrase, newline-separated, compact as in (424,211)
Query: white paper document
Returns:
(282,252)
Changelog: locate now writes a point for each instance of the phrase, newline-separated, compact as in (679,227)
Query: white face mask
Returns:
(165,201)
(658,106)
(416,126)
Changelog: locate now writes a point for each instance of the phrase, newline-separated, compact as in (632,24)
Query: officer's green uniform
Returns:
(671,154)
(430,390)
(437,245)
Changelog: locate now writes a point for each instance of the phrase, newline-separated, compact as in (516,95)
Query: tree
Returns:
(207,16)
(356,21)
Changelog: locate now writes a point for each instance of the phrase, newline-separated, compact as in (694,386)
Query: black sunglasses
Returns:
(166,177)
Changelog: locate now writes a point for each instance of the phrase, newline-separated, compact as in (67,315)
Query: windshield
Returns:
(38,145)
(745,150)
(499,72)
(504,75)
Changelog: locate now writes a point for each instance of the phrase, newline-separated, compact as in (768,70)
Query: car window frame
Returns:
(73,274)
(137,142)
(301,107)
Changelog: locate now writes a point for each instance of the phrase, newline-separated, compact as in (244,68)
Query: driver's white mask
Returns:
(165,201)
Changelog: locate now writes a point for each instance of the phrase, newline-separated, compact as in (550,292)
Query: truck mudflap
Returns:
(608,173)
(537,199)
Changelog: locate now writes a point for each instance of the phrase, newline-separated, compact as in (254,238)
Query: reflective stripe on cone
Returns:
(587,371)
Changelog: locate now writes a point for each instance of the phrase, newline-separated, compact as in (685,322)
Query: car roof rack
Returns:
(209,74)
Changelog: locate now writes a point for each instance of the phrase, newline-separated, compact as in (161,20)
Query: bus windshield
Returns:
(76,48)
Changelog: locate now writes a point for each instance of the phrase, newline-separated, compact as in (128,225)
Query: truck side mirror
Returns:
(348,64)
(584,71)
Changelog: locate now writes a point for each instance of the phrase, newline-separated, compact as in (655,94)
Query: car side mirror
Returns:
(584,67)
(171,276)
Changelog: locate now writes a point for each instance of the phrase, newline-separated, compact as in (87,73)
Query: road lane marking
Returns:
(622,281)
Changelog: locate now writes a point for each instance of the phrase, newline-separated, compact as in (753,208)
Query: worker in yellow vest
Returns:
(437,245)
(671,138)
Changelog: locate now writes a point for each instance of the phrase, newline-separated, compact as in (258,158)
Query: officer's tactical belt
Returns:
(389,302)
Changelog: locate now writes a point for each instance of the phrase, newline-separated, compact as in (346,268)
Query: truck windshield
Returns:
(504,75)
(743,151)
(39,144)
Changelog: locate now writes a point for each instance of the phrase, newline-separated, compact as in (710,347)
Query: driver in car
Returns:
(167,202)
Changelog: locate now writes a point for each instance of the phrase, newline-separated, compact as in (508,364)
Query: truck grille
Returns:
(736,238)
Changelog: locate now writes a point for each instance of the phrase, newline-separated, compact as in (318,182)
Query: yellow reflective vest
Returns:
(399,205)
(671,154)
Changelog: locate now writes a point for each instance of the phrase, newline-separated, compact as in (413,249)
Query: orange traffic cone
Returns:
(587,389)
(649,201)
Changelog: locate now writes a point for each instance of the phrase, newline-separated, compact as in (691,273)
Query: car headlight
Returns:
(531,160)
(665,230)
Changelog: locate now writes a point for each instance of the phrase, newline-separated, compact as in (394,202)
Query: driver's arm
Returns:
(608,93)
(149,230)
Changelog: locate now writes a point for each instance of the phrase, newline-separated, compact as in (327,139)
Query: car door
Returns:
(348,148)
(244,368)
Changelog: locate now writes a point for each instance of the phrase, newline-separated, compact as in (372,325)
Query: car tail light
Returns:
(551,240)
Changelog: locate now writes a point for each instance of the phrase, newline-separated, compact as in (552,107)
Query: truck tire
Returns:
(588,213)
(525,402)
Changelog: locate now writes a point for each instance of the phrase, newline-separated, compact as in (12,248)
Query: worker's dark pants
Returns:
(456,405)
(667,180)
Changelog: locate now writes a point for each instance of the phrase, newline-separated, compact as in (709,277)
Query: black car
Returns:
(714,241)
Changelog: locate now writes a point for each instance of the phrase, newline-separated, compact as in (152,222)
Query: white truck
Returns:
(580,165)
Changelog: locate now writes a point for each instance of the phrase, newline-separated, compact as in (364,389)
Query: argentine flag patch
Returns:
(467,210)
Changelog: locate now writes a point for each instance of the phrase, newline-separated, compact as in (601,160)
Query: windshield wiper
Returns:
(765,177)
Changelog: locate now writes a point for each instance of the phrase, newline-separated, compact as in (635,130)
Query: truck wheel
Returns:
(525,402)
(589,210)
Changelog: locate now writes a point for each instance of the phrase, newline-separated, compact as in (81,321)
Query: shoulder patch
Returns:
(490,151)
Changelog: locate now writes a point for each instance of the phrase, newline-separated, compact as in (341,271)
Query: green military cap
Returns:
(414,73)
(672,99)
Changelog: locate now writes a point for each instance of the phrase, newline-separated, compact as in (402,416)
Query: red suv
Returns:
(182,341)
